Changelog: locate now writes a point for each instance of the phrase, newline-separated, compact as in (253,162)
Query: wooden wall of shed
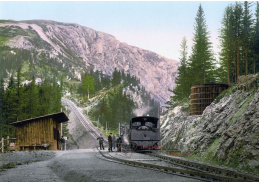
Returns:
(37,133)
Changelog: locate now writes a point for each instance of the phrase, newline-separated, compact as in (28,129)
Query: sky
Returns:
(157,26)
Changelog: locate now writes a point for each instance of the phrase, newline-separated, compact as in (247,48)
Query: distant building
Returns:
(39,133)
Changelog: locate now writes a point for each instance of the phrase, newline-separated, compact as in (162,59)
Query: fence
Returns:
(8,146)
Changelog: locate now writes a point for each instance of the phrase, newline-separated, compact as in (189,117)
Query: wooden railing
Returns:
(6,144)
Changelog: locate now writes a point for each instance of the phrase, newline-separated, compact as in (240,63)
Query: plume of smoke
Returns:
(143,111)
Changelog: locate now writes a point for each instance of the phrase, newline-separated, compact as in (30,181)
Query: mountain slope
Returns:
(76,48)
(227,133)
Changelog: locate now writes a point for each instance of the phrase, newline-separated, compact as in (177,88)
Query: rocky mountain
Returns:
(227,133)
(73,48)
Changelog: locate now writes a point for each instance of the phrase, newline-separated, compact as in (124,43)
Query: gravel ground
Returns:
(28,166)
(86,165)
(25,157)
(78,165)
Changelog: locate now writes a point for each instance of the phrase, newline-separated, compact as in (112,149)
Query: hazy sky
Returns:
(153,25)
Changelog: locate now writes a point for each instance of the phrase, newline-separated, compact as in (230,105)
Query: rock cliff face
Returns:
(227,132)
(85,47)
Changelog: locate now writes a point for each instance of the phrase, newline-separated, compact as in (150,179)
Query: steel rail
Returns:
(229,174)
(79,115)
(197,174)
(83,119)
(149,166)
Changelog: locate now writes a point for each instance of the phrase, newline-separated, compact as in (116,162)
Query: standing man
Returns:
(101,142)
(110,142)
(119,144)
(63,141)
(113,141)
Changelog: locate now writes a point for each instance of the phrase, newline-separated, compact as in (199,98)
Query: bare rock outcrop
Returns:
(85,47)
(226,132)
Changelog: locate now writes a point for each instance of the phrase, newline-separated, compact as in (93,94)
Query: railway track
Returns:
(164,169)
(226,174)
(86,122)
(187,169)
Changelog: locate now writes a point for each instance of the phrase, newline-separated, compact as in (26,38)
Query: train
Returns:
(142,133)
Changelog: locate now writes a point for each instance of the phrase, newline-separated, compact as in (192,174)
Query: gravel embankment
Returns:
(24,157)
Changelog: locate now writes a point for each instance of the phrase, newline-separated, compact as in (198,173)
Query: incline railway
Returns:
(86,122)
(169,164)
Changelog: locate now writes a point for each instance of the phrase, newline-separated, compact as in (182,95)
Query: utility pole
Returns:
(106,128)
(119,129)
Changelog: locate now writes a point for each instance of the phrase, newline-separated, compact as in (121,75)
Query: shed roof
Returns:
(59,117)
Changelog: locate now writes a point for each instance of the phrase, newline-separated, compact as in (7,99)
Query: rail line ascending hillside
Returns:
(86,122)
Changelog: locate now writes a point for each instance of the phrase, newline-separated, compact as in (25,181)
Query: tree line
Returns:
(116,104)
(239,55)
(94,81)
(239,37)
(23,101)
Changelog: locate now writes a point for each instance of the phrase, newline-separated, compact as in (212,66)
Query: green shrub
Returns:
(8,166)
(225,93)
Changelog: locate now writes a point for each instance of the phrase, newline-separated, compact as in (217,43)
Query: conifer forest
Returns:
(239,55)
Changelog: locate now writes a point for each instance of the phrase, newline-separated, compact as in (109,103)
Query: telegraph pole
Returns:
(106,128)
(119,129)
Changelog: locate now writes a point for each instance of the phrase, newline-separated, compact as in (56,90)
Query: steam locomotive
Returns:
(142,133)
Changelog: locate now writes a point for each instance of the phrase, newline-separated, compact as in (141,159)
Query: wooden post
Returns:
(2,145)
(7,141)
(106,128)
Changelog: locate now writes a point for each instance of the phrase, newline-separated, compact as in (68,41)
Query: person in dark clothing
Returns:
(110,142)
(101,142)
(63,141)
(119,142)
(113,141)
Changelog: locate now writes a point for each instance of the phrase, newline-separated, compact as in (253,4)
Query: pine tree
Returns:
(201,59)
(182,90)
(246,34)
(225,55)
(88,84)
(116,77)
(32,99)
(20,97)
(237,30)
(10,107)
(256,41)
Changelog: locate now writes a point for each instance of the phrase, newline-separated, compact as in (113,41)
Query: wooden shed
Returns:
(39,133)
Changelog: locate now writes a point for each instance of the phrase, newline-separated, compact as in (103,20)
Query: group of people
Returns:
(114,142)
